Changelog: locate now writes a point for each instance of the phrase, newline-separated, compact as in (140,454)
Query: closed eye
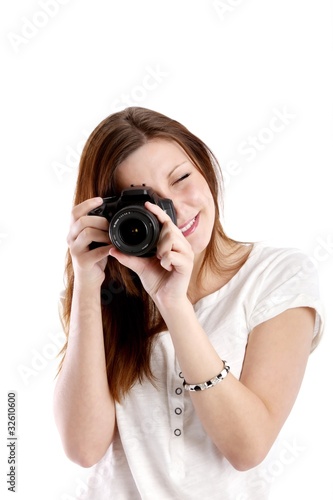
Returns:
(182,178)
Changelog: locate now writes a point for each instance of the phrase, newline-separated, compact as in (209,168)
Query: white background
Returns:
(220,73)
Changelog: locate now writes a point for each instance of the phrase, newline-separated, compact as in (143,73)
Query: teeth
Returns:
(183,229)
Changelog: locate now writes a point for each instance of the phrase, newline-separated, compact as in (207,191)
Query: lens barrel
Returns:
(134,230)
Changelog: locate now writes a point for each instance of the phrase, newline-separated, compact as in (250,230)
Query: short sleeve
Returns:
(290,280)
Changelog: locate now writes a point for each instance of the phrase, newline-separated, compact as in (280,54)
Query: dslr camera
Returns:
(133,229)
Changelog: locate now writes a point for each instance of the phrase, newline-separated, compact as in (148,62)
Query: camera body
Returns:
(133,229)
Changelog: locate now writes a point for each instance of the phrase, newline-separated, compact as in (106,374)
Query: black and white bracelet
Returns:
(209,383)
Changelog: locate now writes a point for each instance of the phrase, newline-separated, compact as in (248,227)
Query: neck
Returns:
(203,276)
(231,258)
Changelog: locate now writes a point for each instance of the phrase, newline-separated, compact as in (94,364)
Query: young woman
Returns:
(180,368)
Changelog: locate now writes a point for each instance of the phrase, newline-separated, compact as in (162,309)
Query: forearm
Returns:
(235,418)
(84,410)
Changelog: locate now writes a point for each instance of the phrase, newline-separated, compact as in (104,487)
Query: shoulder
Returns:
(271,267)
(280,279)
(270,262)
(264,252)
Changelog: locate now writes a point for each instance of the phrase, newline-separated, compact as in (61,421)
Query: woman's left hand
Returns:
(165,276)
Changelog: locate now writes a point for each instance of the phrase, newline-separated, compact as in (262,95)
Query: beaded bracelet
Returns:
(209,383)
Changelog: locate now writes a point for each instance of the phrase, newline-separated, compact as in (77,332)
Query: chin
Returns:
(199,248)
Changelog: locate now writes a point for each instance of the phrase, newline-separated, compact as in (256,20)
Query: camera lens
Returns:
(135,231)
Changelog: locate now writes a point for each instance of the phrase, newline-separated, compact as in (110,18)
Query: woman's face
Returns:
(165,167)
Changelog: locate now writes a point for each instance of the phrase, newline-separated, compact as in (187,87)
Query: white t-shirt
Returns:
(161,451)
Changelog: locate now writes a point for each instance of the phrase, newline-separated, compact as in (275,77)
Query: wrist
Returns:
(86,309)
(87,287)
(175,309)
(174,303)
(87,295)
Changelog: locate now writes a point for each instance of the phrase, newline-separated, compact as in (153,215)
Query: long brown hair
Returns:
(128,338)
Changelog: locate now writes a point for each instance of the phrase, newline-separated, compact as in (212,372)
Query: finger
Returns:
(96,255)
(87,236)
(171,238)
(84,222)
(85,207)
(158,212)
(175,260)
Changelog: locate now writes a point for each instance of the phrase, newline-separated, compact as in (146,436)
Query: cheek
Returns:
(208,198)
(203,200)
(210,209)
(200,193)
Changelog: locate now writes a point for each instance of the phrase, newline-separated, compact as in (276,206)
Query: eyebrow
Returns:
(174,168)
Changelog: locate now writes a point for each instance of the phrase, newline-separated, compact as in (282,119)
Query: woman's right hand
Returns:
(88,265)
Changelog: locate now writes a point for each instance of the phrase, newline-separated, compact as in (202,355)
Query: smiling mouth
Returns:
(189,225)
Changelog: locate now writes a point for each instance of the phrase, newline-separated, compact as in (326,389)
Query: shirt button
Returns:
(177,432)
(178,390)
(178,411)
